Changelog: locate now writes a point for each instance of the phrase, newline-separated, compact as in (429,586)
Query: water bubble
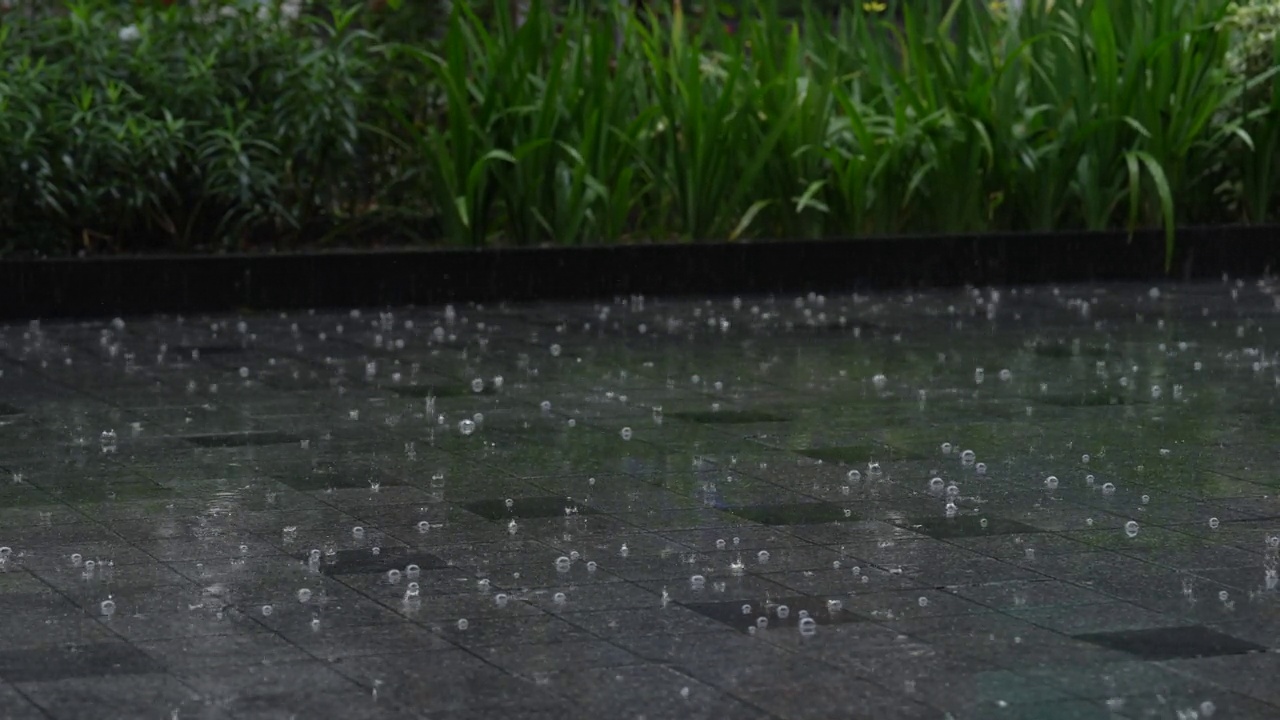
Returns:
(923,601)
(509,502)
(5,551)
(591,566)
(873,469)
(1051,482)
(412,590)
(854,475)
(1006,375)
(267,610)
(393,576)
(808,626)
(1145,499)
(559,598)
(1223,595)
(834,606)
(304,595)
(1084,459)
(412,570)
(946,448)
(1108,489)
(1213,523)
(76,559)
(546,406)
(463,624)
(980,468)
(936,484)
(108,607)
(697,581)
(1131,528)
(562,564)
(1207,709)
(466,427)
(555,351)
(512,527)
(967,457)
(762,622)
(763,556)
(979,375)
(783,612)
(357,531)
(720,544)
(501,599)
(423,526)
(477,385)
(626,433)
(879,381)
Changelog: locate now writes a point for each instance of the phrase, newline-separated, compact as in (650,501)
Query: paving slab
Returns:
(1048,502)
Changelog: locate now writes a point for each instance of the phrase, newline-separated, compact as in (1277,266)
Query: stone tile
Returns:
(1046,611)
(1172,643)
(43,665)
(136,695)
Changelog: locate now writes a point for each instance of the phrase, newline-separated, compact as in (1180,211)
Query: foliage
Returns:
(130,127)
(592,123)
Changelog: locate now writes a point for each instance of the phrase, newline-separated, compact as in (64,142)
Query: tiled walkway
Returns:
(1049,504)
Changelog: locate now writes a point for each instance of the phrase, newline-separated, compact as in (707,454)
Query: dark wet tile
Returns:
(202,351)
(74,661)
(1172,643)
(792,513)
(242,439)
(528,508)
(965,526)
(365,562)
(777,613)
(442,390)
(730,417)
(858,455)
(1089,399)
(317,479)
(125,696)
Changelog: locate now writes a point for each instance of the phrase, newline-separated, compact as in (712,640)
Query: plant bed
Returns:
(180,129)
(108,286)
(957,141)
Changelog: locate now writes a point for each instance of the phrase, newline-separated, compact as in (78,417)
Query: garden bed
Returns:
(176,130)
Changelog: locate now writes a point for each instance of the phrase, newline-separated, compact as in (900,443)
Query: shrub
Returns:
(143,127)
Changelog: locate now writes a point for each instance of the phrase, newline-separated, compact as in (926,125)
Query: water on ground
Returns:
(1026,503)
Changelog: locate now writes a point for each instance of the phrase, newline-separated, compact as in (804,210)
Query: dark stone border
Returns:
(97,287)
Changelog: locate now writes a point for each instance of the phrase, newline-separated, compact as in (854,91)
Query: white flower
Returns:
(130,33)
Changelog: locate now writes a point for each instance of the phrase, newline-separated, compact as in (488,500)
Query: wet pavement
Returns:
(1039,503)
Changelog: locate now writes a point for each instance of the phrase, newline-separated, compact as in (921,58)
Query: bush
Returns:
(146,128)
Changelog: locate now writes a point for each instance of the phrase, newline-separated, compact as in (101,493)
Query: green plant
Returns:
(131,126)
